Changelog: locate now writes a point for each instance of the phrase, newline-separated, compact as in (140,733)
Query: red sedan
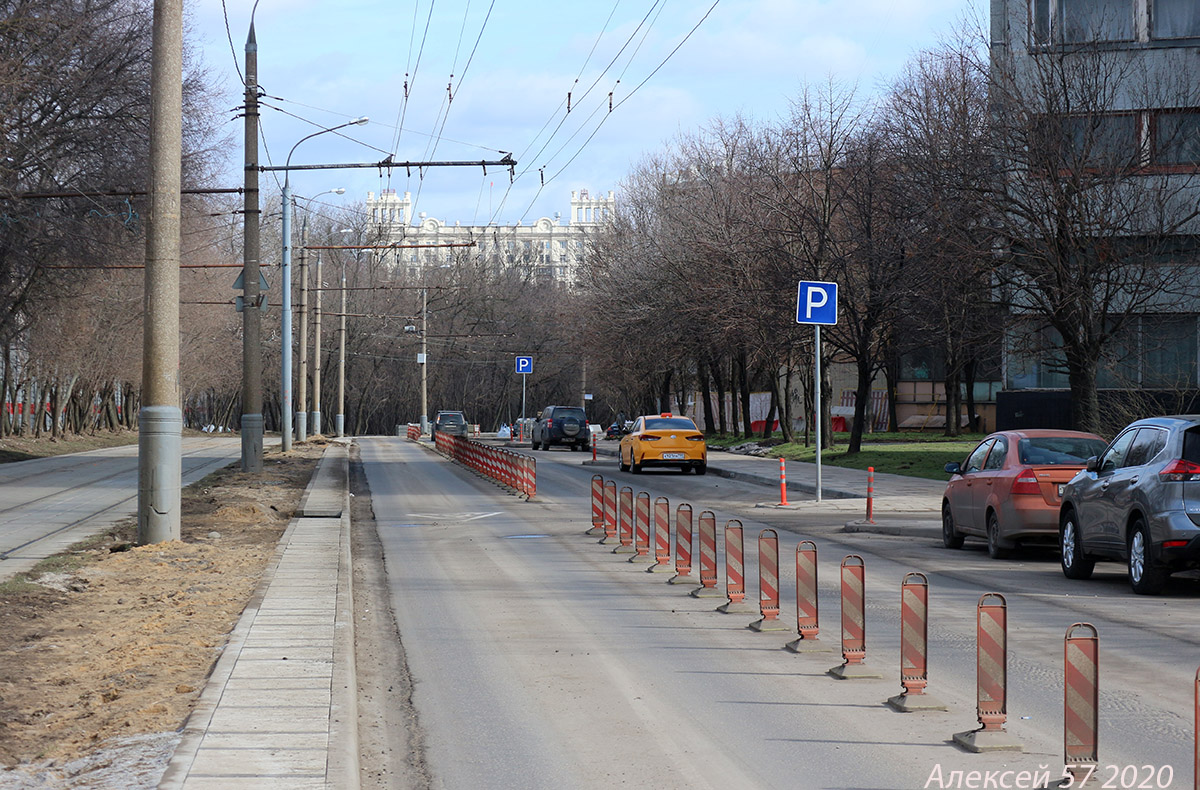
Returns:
(1009,488)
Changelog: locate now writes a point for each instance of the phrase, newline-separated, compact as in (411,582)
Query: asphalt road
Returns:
(48,504)
(540,659)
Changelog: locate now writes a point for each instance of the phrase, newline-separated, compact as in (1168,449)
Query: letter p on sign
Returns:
(816,303)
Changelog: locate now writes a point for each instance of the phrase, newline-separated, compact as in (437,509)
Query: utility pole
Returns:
(302,402)
(340,420)
(160,420)
(424,361)
(316,411)
(252,417)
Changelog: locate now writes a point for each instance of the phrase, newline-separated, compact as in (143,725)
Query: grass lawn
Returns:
(915,455)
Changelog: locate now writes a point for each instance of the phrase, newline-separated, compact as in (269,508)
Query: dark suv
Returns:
(452,423)
(1138,502)
(561,425)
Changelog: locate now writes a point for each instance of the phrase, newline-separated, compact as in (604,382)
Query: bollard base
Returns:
(641,558)
(594,531)
(737,607)
(854,672)
(661,567)
(608,541)
(763,624)
(707,592)
(683,579)
(913,703)
(808,645)
(987,741)
(624,550)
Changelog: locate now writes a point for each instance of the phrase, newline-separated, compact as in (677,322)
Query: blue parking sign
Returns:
(524,364)
(816,303)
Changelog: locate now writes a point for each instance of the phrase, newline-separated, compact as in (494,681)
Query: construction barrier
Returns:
(914,646)
(641,523)
(1081,699)
(597,506)
(735,570)
(708,557)
(854,621)
(625,526)
(513,470)
(782,482)
(662,536)
(683,546)
(870,495)
(414,432)
(807,610)
(610,512)
(768,583)
(991,705)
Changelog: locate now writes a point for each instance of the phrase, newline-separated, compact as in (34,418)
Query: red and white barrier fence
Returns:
(625,526)
(768,583)
(683,546)
(914,646)
(515,471)
(641,523)
(808,620)
(1081,699)
(991,705)
(610,512)
(854,621)
(414,432)
(662,537)
(597,527)
(735,570)
(708,557)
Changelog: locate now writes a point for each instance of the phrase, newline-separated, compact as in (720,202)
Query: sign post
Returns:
(816,304)
(524,367)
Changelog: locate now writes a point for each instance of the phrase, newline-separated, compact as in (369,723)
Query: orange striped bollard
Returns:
(768,583)
(597,506)
(782,482)
(854,622)
(807,611)
(708,557)
(991,706)
(610,513)
(625,531)
(914,646)
(641,527)
(662,537)
(1081,700)
(870,495)
(530,478)
(735,570)
(683,546)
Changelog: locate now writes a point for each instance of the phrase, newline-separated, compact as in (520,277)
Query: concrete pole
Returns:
(340,420)
(302,402)
(424,361)
(316,411)
(252,418)
(285,324)
(160,420)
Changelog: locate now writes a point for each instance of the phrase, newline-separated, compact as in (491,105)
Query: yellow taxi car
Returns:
(664,440)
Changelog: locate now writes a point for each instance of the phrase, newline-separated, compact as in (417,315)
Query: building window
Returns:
(1175,18)
(1177,138)
(1082,21)
(1169,358)
(1107,141)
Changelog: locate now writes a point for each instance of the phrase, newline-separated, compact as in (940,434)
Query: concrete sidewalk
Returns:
(279,710)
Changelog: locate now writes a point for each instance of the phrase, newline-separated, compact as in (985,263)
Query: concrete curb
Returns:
(343,766)
(885,528)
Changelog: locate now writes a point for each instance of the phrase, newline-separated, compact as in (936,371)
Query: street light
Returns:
(301,412)
(286,321)
(339,421)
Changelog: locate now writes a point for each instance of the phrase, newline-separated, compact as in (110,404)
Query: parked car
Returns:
(561,425)
(453,423)
(664,440)
(1138,502)
(1008,489)
(614,431)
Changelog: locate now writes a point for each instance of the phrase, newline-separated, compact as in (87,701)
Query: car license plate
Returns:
(673,456)
(1060,490)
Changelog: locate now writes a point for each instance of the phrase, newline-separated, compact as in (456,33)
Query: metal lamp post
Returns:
(302,374)
(286,289)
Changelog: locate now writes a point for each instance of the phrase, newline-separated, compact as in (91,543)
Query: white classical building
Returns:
(552,249)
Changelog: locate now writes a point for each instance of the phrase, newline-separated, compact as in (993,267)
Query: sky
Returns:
(671,66)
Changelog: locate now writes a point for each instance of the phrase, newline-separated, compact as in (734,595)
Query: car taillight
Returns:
(646,437)
(1026,483)
(1180,471)
(1174,544)
(549,423)
(695,438)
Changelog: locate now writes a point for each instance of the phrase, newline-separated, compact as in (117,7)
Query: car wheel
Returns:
(1075,564)
(634,465)
(701,469)
(1146,578)
(997,548)
(950,537)
(621,462)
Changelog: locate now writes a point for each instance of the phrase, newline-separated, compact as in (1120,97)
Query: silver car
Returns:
(1138,502)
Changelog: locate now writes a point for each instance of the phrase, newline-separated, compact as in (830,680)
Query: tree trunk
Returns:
(706,395)
(766,434)
(785,421)
(891,375)
(1085,398)
(719,381)
(862,398)
(950,385)
(664,394)
(969,386)
(744,384)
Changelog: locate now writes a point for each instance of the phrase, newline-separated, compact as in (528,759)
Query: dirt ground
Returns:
(105,649)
